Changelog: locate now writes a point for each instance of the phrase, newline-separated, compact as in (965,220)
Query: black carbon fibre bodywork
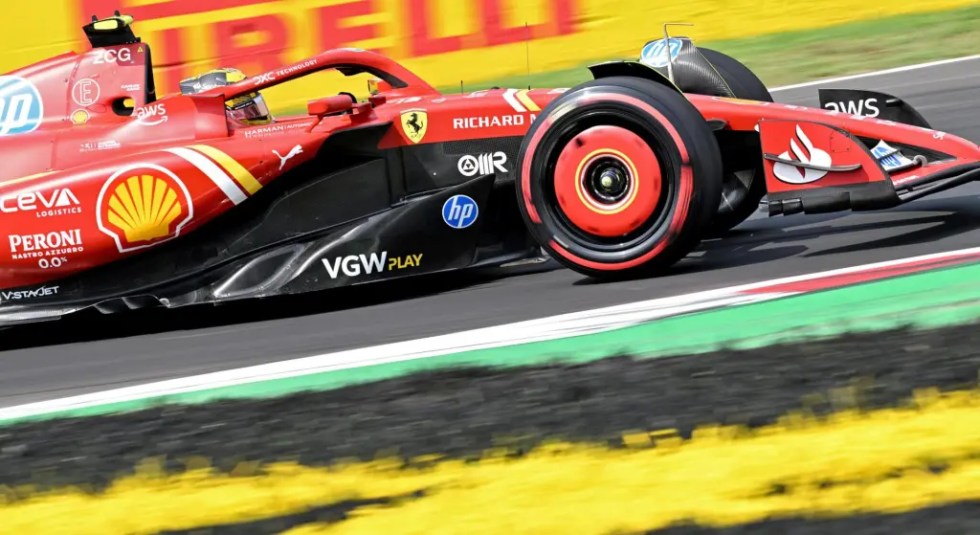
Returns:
(354,214)
(691,71)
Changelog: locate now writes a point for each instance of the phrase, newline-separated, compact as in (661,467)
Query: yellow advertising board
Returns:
(445,41)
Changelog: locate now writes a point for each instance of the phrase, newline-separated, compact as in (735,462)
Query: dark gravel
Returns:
(462,412)
(956,519)
(329,514)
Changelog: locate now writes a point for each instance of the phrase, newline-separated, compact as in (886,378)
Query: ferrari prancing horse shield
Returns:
(414,124)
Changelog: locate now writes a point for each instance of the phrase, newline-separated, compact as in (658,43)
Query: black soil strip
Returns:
(329,514)
(321,515)
(463,412)
(955,519)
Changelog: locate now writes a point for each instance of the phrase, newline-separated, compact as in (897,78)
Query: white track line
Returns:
(876,73)
(561,326)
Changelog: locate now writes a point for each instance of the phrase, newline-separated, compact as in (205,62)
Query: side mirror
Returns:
(330,105)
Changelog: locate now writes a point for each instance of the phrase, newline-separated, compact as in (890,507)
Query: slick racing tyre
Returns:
(744,182)
(618,177)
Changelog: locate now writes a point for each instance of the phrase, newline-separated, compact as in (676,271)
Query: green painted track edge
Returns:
(931,299)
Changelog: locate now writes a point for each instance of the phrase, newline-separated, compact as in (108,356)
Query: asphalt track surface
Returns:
(91,353)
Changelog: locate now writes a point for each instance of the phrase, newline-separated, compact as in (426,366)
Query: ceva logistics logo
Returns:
(460,211)
(21,108)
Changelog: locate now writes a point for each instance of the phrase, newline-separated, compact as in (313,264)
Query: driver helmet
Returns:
(249,109)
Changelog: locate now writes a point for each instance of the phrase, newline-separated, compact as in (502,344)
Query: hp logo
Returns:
(658,54)
(460,211)
(21,109)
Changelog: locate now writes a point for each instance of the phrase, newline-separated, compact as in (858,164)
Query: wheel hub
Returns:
(607,181)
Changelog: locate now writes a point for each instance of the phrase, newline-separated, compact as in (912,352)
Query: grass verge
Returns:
(792,57)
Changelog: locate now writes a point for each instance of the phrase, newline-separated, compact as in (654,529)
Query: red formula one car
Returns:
(113,198)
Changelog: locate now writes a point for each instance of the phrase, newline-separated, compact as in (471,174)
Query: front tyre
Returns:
(618,177)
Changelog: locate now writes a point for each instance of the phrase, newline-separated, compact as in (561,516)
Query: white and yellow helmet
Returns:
(249,109)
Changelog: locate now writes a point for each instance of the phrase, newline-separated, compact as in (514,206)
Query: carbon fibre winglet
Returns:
(630,68)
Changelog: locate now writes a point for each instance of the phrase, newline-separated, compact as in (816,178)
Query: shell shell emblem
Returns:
(142,206)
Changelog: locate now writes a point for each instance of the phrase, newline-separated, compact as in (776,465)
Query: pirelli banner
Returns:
(445,41)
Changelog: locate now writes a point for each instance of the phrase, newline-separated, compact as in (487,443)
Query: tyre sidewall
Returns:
(745,85)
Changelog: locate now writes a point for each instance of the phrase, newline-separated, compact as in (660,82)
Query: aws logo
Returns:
(152,114)
(143,205)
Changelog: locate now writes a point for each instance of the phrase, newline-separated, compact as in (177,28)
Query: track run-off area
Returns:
(875,427)
(681,404)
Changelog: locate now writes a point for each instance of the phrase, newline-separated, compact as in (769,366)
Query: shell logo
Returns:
(142,206)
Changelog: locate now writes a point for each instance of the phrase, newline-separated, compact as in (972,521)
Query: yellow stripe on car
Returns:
(218,176)
(526,100)
(242,176)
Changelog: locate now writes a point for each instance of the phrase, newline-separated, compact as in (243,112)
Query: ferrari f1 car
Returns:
(113,198)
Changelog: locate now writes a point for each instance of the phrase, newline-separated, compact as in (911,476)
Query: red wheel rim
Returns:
(607,180)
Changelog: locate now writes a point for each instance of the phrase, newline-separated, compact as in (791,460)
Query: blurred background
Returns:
(484,42)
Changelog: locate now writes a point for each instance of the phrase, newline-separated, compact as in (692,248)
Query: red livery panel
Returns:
(618,175)
(802,155)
